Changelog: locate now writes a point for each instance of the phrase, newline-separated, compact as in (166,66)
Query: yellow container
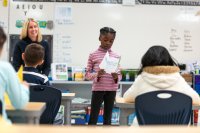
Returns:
(78,76)
(5,3)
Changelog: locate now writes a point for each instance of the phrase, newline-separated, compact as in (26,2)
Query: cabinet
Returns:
(80,88)
(83,88)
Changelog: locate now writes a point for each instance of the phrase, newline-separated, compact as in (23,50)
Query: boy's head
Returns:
(33,55)
(107,37)
(2,38)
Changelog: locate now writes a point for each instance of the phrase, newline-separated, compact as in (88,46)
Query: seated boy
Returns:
(34,56)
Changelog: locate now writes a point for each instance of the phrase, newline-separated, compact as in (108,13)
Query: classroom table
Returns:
(128,108)
(97,129)
(67,101)
(31,112)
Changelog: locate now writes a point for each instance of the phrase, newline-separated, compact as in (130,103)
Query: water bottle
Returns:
(69,74)
(127,76)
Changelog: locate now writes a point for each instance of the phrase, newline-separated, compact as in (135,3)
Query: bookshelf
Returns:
(82,89)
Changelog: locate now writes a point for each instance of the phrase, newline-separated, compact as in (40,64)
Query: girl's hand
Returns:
(115,77)
(99,74)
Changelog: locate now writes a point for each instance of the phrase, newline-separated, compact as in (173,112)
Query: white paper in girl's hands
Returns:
(109,64)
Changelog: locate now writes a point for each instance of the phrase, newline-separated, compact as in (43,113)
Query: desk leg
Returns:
(67,112)
(37,121)
(124,113)
(31,120)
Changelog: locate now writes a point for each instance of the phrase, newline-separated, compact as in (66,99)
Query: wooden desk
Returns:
(97,129)
(67,101)
(128,108)
(32,112)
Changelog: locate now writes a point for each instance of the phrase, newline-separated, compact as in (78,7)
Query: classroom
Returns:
(96,63)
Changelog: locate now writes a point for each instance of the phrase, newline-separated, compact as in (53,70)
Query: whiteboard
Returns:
(138,28)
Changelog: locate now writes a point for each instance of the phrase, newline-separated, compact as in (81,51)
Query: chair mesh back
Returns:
(150,109)
(51,96)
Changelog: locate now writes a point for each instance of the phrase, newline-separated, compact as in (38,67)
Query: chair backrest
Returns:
(163,107)
(1,108)
(52,97)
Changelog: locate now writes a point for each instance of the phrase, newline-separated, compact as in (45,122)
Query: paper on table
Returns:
(109,64)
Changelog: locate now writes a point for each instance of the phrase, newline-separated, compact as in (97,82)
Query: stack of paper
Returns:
(109,64)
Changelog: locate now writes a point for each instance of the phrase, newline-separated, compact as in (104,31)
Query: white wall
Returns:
(4,8)
(76,29)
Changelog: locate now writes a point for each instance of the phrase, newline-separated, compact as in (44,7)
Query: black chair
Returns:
(163,107)
(51,96)
(1,108)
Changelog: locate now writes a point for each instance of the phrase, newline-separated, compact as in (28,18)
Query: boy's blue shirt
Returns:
(32,76)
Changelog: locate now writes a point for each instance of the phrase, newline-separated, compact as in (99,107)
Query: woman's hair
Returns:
(156,56)
(2,37)
(24,32)
(106,30)
(33,54)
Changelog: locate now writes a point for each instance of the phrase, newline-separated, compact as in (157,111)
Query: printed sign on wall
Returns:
(42,12)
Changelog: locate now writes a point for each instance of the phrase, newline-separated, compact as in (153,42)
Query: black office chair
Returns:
(163,107)
(51,96)
(1,108)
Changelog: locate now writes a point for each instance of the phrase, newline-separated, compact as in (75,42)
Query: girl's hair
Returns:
(105,30)
(2,37)
(157,56)
(24,32)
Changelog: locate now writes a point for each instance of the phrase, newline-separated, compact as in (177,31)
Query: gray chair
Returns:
(163,107)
